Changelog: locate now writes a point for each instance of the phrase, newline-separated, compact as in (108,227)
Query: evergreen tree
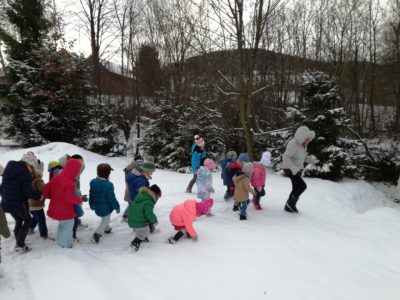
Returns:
(149,70)
(326,116)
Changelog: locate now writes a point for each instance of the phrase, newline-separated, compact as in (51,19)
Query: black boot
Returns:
(136,243)
(175,238)
(291,204)
(96,238)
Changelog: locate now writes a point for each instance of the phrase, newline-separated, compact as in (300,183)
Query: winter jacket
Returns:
(242,188)
(54,171)
(258,176)
(37,186)
(141,211)
(61,191)
(183,215)
(132,165)
(4,230)
(16,188)
(198,156)
(135,181)
(101,197)
(231,170)
(295,155)
(226,172)
(204,183)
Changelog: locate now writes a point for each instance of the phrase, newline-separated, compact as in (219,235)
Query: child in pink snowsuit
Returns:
(183,215)
(258,178)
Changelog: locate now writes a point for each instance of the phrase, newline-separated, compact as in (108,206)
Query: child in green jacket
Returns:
(141,214)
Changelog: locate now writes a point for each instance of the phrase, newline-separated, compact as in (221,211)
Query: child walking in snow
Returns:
(242,190)
(258,178)
(141,214)
(235,169)
(204,179)
(198,156)
(183,215)
(61,191)
(102,200)
(227,174)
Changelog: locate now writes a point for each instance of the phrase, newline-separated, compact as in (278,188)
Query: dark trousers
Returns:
(77,221)
(259,194)
(22,223)
(192,182)
(298,185)
(39,218)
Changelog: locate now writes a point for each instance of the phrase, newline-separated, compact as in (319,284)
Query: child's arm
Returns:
(70,196)
(149,214)
(189,226)
(249,188)
(111,197)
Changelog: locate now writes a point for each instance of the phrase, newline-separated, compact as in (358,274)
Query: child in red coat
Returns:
(183,215)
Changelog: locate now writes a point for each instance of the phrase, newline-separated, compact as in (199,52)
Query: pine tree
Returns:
(326,116)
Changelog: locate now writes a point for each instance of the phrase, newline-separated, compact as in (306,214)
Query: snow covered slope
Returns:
(344,244)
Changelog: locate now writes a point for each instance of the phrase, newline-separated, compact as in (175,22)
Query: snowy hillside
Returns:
(344,244)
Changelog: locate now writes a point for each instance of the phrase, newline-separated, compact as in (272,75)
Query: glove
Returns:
(117,210)
(84,198)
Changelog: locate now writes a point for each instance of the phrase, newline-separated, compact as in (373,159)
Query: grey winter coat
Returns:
(295,155)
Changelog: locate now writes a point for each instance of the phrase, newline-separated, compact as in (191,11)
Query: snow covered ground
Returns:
(345,244)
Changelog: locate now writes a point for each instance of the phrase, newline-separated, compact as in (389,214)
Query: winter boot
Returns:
(108,231)
(291,204)
(226,196)
(242,217)
(22,249)
(235,207)
(175,238)
(135,244)
(256,204)
(188,190)
(96,238)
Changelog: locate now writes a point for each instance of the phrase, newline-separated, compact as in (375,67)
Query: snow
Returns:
(343,245)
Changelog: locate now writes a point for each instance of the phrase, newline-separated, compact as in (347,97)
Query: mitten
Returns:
(117,210)
(84,198)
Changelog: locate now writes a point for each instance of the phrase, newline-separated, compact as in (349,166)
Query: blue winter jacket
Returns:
(226,173)
(198,155)
(102,198)
(135,181)
(16,188)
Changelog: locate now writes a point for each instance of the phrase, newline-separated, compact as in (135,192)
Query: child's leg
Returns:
(126,212)
(64,233)
(141,235)
(75,227)
(243,208)
(103,226)
(34,221)
(41,219)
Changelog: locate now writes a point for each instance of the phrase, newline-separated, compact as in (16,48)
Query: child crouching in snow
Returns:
(102,199)
(183,215)
(141,214)
(258,178)
(242,190)
(204,179)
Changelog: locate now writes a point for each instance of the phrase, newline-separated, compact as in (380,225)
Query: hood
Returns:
(302,134)
(72,168)
(148,192)
(240,178)
(14,169)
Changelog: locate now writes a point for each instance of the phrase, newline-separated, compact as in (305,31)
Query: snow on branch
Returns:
(261,89)
(227,80)
(228,93)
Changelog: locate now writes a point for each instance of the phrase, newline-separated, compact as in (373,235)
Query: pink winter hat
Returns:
(203,207)
(209,164)
(199,141)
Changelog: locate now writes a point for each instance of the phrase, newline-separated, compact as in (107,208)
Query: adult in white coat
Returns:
(293,164)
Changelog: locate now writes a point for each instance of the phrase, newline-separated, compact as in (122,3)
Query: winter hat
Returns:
(63,160)
(248,168)
(52,165)
(203,207)
(243,158)
(231,154)
(30,158)
(148,165)
(266,159)
(104,170)
(156,190)
(209,164)
(199,141)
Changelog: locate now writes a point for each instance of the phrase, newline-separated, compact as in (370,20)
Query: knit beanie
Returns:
(30,158)
(156,190)
(266,159)
(243,158)
(209,164)
(199,141)
(231,154)
(203,207)
(52,165)
(148,165)
(63,160)
(248,168)
(104,170)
